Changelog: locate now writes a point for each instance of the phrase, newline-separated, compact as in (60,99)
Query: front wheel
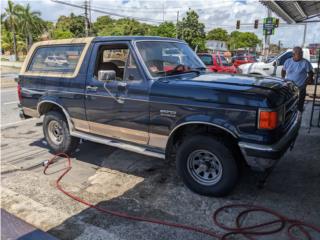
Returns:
(207,166)
(56,132)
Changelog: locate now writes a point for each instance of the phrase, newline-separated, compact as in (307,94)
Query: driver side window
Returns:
(112,58)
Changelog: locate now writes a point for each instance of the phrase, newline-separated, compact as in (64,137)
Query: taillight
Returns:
(268,119)
(19,92)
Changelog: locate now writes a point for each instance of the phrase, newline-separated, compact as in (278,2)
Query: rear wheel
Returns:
(207,166)
(56,132)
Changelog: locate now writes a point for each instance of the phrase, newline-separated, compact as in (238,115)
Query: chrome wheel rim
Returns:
(55,132)
(204,167)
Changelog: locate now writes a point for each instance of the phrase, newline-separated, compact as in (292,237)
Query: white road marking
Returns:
(8,90)
(13,102)
(17,123)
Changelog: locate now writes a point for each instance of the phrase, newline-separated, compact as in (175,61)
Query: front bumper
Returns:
(260,157)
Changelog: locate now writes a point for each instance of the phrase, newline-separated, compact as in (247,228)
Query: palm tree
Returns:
(11,18)
(30,23)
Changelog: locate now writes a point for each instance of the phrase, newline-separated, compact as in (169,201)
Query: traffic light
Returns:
(256,23)
(238,24)
(277,22)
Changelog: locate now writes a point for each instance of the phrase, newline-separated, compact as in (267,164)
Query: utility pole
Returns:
(90,17)
(86,28)
(304,35)
(177,24)
(163,10)
(267,40)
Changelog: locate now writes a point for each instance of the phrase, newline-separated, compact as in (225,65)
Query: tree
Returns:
(101,23)
(166,29)
(242,40)
(61,34)
(30,24)
(11,18)
(125,26)
(73,24)
(192,31)
(218,34)
(7,41)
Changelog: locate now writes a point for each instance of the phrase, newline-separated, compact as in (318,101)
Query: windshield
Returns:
(168,58)
(224,61)
(206,59)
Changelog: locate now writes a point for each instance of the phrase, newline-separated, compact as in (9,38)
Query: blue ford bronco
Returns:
(152,96)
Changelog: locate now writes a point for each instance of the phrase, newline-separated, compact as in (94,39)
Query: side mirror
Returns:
(276,63)
(106,75)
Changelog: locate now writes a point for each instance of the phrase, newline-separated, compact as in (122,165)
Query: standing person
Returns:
(298,70)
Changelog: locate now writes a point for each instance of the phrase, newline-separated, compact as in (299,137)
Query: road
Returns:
(9,107)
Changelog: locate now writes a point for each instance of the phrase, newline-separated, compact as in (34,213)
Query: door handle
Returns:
(92,88)
(122,86)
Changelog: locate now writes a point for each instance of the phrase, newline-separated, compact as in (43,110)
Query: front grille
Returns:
(287,92)
(291,108)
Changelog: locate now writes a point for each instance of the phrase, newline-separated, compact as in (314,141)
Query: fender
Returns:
(56,101)
(203,120)
(216,121)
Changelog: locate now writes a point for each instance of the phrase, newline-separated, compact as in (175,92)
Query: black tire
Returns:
(224,171)
(68,144)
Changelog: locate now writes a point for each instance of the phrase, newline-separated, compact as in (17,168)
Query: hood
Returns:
(241,81)
(259,91)
(253,65)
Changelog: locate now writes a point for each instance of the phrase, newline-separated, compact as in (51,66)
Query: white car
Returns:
(274,66)
(56,61)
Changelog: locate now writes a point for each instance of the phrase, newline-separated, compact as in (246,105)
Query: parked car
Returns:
(243,59)
(217,63)
(56,61)
(274,66)
(209,123)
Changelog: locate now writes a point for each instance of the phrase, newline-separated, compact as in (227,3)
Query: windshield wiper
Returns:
(197,70)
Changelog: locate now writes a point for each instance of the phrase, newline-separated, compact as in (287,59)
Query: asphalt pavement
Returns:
(9,107)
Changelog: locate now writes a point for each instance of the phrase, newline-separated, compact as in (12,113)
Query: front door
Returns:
(119,108)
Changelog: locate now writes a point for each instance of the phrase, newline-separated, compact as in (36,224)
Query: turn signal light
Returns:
(19,92)
(268,120)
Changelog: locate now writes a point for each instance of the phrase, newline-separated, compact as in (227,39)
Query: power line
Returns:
(107,13)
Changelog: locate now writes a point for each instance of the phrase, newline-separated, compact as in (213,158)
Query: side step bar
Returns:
(118,144)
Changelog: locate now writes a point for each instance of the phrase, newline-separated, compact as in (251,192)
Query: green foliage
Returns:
(166,29)
(24,26)
(21,26)
(192,31)
(73,24)
(61,34)
(30,24)
(219,34)
(7,41)
(11,21)
(124,26)
(101,23)
(243,40)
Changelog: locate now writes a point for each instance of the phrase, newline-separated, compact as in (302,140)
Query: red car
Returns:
(242,59)
(217,63)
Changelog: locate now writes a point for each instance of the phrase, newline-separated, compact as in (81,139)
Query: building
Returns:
(215,45)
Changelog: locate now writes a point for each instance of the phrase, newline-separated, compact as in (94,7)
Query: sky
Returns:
(213,13)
